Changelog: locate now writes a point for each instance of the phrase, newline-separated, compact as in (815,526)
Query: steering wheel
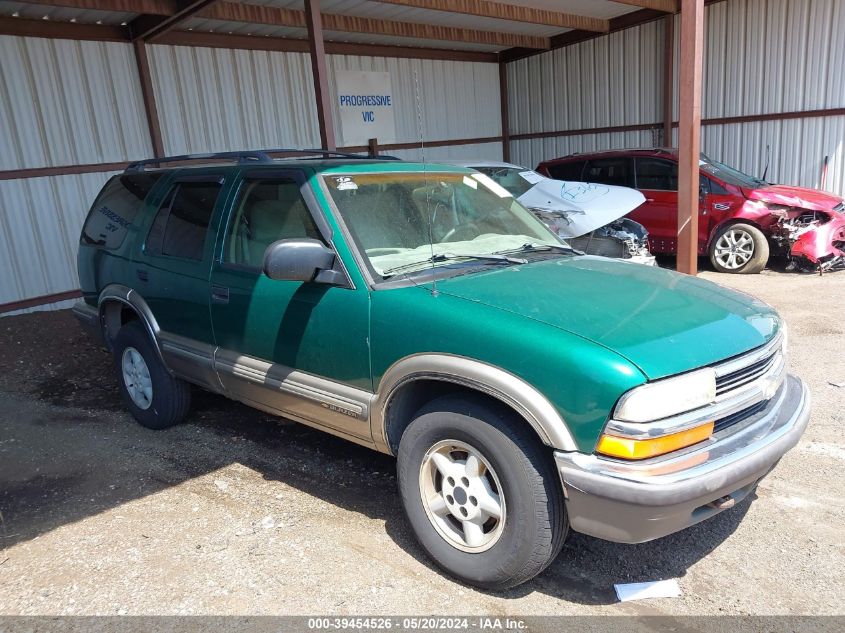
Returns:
(461,232)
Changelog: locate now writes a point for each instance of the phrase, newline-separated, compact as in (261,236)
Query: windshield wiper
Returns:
(535,248)
(442,257)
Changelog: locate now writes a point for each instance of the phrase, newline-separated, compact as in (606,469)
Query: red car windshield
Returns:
(729,174)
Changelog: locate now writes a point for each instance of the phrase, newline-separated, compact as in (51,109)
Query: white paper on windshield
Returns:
(469,182)
(643,590)
(582,206)
(531,176)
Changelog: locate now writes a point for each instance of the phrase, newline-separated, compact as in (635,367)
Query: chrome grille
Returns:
(745,375)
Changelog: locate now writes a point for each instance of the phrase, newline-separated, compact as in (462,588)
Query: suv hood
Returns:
(663,322)
(584,206)
(796,197)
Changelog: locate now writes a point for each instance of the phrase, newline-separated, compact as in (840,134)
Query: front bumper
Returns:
(634,502)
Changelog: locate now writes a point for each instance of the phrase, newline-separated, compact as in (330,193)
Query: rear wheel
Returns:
(481,492)
(739,248)
(155,397)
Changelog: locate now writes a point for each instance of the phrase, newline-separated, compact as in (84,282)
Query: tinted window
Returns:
(715,187)
(657,174)
(609,171)
(567,171)
(268,210)
(181,225)
(115,209)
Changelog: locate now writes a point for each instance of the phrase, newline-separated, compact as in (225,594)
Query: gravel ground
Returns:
(236,512)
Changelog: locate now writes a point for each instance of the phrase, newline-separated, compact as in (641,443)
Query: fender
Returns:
(129,297)
(502,385)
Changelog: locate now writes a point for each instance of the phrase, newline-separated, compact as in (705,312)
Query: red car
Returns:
(741,218)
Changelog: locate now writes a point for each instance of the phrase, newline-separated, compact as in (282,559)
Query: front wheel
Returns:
(481,492)
(739,248)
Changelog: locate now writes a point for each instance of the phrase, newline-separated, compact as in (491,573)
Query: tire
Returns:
(517,469)
(740,249)
(154,397)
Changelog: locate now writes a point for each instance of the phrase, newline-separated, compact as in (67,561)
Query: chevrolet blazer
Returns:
(418,309)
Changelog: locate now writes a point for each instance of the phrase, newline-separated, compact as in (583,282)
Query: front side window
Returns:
(657,174)
(609,171)
(409,221)
(268,210)
(115,209)
(180,227)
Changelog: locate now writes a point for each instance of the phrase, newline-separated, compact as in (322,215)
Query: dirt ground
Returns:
(236,512)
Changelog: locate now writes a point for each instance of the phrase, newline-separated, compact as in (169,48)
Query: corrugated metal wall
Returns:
(61,103)
(761,57)
(212,99)
(772,56)
(215,99)
(614,80)
(456,99)
(69,103)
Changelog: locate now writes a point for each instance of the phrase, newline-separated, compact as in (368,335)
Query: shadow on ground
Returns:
(68,451)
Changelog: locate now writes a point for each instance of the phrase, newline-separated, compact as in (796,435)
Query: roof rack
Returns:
(659,150)
(250,156)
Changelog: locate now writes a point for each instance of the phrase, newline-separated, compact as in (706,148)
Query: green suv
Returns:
(419,310)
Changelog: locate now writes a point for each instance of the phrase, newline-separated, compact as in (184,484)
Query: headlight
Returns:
(671,396)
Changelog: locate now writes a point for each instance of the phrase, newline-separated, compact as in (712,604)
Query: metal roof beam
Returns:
(148,27)
(512,12)
(668,6)
(275,16)
(160,16)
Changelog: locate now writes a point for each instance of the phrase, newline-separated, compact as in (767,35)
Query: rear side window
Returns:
(657,174)
(115,209)
(609,171)
(567,171)
(180,227)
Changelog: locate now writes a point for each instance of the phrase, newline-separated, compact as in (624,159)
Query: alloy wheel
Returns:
(136,377)
(462,496)
(734,249)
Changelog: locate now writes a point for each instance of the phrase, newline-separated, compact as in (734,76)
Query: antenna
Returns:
(425,180)
(766,170)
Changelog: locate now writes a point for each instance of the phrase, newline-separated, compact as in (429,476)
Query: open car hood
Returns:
(582,207)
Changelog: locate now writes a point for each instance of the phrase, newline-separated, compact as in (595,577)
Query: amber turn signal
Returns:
(627,448)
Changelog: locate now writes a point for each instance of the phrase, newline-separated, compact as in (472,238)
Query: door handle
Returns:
(649,199)
(219,294)
(142,274)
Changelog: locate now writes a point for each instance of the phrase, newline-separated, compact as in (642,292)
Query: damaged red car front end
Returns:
(806,224)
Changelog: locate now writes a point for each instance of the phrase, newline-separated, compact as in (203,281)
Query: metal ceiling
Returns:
(603,9)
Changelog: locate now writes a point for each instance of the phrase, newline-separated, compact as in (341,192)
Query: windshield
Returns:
(400,220)
(516,181)
(729,174)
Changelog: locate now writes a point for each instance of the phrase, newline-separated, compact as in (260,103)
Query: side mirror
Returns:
(299,260)
(702,190)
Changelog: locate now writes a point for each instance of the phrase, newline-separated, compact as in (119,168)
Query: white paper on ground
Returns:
(641,590)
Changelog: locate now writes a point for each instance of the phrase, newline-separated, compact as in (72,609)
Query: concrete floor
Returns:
(235,512)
